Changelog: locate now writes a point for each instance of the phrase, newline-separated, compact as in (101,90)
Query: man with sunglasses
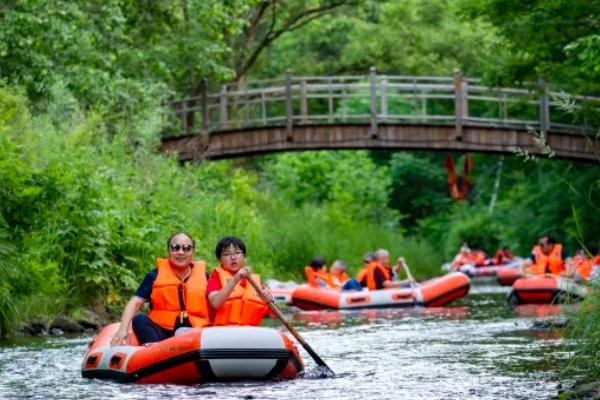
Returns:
(176,291)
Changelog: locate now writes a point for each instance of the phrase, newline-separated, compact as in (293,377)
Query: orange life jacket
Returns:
(502,257)
(584,269)
(462,258)
(243,306)
(173,298)
(313,276)
(596,260)
(368,273)
(338,280)
(552,262)
(479,257)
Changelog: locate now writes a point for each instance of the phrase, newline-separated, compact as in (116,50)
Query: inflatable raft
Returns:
(545,290)
(199,355)
(508,276)
(281,291)
(473,271)
(433,293)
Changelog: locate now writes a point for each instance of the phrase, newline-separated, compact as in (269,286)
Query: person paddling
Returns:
(232,299)
(547,257)
(377,273)
(175,291)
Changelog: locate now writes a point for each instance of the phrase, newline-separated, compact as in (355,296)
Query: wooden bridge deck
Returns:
(383,112)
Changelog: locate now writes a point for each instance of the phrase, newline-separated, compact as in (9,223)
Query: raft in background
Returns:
(281,291)
(432,293)
(198,356)
(507,277)
(546,290)
(473,271)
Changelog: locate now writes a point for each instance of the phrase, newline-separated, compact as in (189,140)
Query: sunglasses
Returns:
(185,247)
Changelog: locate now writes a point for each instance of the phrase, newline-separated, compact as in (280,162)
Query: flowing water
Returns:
(477,348)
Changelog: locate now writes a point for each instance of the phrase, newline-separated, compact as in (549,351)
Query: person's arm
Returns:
(217,298)
(132,308)
(526,265)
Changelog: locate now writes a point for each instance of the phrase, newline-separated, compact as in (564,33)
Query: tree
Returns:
(397,37)
(556,39)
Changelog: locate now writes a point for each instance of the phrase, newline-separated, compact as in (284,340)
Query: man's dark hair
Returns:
(317,262)
(228,241)
(549,239)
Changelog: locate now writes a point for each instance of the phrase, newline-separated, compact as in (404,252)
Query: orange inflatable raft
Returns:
(433,293)
(197,356)
(508,276)
(473,271)
(545,290)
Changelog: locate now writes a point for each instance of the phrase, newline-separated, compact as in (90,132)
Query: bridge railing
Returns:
(375,99)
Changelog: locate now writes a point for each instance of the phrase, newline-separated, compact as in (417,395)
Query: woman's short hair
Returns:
(227,242)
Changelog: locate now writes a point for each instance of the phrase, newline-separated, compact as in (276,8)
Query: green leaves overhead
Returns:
(397,37)
(550,38)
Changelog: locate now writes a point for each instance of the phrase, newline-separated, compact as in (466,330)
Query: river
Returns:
(479,348)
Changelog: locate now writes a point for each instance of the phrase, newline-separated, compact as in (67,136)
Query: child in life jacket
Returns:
(316,274)
(232,298)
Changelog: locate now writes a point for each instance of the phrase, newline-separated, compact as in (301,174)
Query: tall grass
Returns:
(584,328)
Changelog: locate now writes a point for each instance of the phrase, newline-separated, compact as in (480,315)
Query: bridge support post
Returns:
(204,107)
(223,107)
(544,107)
(373,88)
(303,101)
(184,117)
(289,111)
(204,110)
(461,105)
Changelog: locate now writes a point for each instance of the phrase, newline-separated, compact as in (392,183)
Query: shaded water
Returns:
(478,348)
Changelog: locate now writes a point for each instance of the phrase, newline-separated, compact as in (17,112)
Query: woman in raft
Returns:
(232,298)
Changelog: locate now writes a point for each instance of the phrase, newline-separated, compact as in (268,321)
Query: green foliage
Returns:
(118,53)
(584,326)
(553,39)
(11,279)
(419,186)
(397,37)
(348,181)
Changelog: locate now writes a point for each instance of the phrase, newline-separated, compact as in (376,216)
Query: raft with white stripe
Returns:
(546,290)
(433,293)
(200,355)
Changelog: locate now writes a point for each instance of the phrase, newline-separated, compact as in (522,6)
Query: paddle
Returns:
(324,367)
(413,283)
(410,277)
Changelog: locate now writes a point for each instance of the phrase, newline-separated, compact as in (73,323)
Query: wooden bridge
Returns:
(383,112)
